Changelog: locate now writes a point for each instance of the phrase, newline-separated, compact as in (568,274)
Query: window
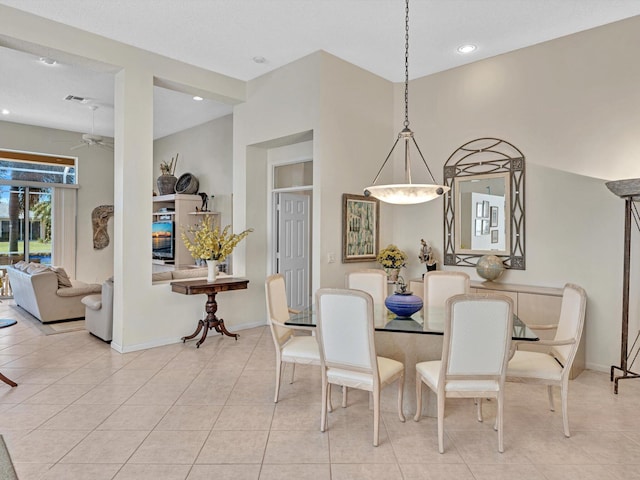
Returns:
(37,208)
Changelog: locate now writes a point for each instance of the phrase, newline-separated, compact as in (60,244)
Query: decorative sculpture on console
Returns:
(205,202)
(99,219)
(426,256)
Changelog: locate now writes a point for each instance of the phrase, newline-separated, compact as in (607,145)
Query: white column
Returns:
(133,164)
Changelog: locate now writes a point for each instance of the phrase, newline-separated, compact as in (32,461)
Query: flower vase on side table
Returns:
(212,270)
(393,274)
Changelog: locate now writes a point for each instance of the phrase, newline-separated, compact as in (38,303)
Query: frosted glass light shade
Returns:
(406,193)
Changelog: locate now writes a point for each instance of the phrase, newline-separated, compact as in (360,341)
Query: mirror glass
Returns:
(482,204)
(484,210)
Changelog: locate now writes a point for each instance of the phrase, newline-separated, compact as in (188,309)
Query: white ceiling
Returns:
(225,36)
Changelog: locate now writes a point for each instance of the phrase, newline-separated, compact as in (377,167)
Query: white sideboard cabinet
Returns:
(533,305)
(536,306)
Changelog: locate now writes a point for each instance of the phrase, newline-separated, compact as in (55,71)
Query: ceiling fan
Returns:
(90,139)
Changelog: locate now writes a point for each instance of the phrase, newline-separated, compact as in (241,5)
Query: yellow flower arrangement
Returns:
(392,257)
(207,243)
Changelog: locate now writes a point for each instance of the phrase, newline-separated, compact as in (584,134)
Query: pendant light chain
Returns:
(406,65)
(407,193)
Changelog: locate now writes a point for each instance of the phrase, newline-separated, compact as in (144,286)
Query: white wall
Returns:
(144,315)
(349,112)
(95,178)
(573,108)
(571,105)
(205,151)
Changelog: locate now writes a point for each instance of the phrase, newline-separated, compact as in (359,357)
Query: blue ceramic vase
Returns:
(403,304)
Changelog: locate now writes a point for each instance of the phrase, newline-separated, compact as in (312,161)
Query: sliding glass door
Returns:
(25,224)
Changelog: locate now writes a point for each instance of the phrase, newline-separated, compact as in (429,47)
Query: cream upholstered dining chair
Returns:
(348,353)
(372,281)
(553,368)
(292,349)
(475,352)
(369,280)
(440,285)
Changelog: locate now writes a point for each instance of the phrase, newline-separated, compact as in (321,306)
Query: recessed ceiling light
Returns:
(5,111)
(466,48)
(259,59)
(198,99)
(48,61)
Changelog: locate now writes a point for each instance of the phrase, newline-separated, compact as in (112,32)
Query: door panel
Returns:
(293,247)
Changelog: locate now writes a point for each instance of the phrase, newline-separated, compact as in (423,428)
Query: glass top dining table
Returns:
(428,321)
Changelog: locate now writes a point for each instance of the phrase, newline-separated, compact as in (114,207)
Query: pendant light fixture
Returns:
(406,193)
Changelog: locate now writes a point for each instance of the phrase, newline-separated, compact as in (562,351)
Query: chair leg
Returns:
(564,394)
(376,417)
(478,402)
(325,393)
(441,399)
(401,398)
(418,398)
(344,396)
(550,394)
(329,404)
(499,422)
(293,372)
(8,381)
(278,375)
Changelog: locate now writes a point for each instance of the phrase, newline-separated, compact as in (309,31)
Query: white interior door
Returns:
(293,246)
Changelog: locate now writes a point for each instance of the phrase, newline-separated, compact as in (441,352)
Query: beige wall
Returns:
(571,105)
(573,108)
(95,178)
(349,112)
(205,151)
(144,315)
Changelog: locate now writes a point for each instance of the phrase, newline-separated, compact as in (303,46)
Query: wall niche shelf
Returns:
(181,209)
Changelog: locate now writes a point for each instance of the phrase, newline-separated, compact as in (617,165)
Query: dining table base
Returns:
(409,349)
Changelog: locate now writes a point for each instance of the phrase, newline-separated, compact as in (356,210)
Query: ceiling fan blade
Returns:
(75,147)
(106,146)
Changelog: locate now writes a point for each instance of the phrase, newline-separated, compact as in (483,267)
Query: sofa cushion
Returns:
(189,273)
(21,265)
(161,276)
(33,268)
(63,277)
(79,288)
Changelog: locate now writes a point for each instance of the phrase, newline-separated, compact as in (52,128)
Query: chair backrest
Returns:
(370,280)
(571,323)
(477,336)
(439,286)
(277,308)
(344,324)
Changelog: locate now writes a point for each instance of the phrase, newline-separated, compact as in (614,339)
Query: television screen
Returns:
(162,240)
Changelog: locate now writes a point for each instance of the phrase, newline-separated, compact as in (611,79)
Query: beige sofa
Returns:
(47,293)
(181,274)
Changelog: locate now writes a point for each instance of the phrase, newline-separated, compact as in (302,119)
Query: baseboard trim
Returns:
(170,341)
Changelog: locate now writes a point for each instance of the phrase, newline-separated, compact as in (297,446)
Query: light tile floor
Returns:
(83,411)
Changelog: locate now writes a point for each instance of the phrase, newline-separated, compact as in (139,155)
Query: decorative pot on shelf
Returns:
(166,184)
(212,270)
(403,304)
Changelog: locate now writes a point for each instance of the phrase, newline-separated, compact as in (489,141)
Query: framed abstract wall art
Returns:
(360,228)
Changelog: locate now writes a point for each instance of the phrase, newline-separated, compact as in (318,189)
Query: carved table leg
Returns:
(200,326)
(213,321)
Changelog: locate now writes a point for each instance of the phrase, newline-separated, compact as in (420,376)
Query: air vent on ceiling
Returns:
(75,98)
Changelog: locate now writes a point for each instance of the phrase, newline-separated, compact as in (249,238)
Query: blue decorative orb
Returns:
(403,304)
